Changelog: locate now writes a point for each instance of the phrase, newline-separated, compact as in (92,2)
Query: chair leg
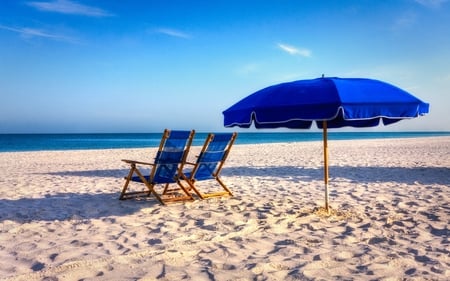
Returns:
(151,189)
(224,186)
(175,192)
(125,195)
(127,182)
(188,194)
(191,186)
(150,186)
(166,187)
(226,192)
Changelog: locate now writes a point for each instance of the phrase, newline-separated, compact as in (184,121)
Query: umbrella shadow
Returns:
(407,175)
(284,172)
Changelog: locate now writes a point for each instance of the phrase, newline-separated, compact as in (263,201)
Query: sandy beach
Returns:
(60,217)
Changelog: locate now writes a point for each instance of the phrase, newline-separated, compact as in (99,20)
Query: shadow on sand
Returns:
(71,206)
(76,206)
(421,175)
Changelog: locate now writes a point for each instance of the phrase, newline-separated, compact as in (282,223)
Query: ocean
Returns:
(43,142)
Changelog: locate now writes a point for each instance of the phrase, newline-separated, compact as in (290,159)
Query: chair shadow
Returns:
(109,173)
(74,206)
(71,206)
(413,175)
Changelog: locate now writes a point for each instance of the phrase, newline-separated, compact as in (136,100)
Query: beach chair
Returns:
(165,170)
(209,164)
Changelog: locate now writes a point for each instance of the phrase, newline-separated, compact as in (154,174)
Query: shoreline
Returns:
(194,147)
(61,217)
(63,142)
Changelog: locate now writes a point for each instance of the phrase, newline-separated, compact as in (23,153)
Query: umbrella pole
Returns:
(325,165)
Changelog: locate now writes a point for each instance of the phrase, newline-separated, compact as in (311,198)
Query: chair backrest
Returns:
(171,155)
(212,156)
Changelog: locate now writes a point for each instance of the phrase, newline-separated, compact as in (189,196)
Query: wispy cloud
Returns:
(431,3)
(69,7)
(248,68)
(172,33)
(294,50)
(27,32)
(405,20)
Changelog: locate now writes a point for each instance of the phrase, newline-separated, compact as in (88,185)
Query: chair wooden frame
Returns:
(169,160)
(206,162)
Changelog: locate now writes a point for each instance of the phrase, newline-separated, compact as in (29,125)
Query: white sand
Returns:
(60,217)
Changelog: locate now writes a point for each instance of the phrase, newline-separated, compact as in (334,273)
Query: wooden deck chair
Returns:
(165,169)
(209,164)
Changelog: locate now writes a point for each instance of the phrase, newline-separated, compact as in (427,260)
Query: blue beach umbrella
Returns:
(331,102)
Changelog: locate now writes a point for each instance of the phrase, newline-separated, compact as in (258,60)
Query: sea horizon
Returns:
(22,142)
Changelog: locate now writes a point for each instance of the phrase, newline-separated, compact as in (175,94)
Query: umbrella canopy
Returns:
(355,102)
(330,101)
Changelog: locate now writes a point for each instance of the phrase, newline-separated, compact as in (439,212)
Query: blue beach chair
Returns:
(165,170)
(209,164)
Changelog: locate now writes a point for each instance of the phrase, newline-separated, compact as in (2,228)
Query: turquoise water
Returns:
(38,142)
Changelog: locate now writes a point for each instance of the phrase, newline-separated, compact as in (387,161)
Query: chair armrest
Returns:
(136,162)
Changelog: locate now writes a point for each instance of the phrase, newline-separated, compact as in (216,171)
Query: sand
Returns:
(60,217)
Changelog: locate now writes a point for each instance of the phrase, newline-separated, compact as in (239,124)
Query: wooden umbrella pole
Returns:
(325,165)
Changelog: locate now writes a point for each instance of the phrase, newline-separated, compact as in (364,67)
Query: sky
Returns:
(106,66)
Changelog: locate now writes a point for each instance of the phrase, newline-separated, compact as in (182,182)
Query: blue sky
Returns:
(142,66)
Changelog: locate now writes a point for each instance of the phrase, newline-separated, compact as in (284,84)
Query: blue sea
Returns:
(42,142)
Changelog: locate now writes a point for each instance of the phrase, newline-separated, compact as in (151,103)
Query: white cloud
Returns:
(248,68)
(27,32)
(69,7)
(431,3)
(294,50)
(405,20)
(172,32)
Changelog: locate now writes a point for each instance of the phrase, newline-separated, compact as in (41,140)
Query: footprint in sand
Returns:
(343,255)
(25,246)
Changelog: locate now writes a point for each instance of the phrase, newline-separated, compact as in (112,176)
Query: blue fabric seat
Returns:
(165,169)
(209,164)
